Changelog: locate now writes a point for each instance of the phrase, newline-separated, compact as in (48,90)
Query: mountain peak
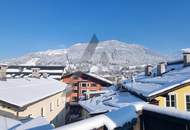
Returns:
(116,52)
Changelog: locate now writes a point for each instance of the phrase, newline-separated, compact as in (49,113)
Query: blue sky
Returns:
(33,25)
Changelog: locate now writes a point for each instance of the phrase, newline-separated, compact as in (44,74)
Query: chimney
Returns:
(148,70)
(3,72)
(186,57)
(161,68)
(45,75)
(36,72)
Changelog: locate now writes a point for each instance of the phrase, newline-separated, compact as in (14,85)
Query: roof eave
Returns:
(169,90)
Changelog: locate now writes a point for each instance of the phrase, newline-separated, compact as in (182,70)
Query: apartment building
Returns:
(85,85)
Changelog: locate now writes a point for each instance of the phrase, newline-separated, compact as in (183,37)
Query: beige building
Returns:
(24,98)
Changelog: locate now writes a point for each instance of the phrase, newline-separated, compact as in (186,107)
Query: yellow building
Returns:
(167,84)
(25,98)
(178,98)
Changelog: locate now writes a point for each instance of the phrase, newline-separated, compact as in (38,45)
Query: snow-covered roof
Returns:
(38,123)
(111,120)
(30,71)
(119,120)
(111,100)
(8,123)
(99,77)
(167,111)
(93,75)
(26,71)
(87,124)
(186,50)
(147,86)
(55,76)
(23,91)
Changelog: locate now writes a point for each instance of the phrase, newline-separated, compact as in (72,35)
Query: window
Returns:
(51,106)
(188,102)
(58,103)
(93,85)
(42,112)
(83,91)
(75,91)
(75,84)
(74,99)
(83,84)
(171,100)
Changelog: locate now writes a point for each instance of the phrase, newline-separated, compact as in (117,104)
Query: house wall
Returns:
(55,116)
(180,98)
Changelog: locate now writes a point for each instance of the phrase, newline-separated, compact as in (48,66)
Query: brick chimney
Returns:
(186,57)
(161,68)
(36,72)
(3,72)
(148,70)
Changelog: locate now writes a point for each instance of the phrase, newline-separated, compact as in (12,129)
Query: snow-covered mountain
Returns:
(107,52)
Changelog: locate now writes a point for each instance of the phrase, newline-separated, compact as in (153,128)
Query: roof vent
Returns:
(148,70)
(161,68)
(186,57)
(3,72)
(36,72)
